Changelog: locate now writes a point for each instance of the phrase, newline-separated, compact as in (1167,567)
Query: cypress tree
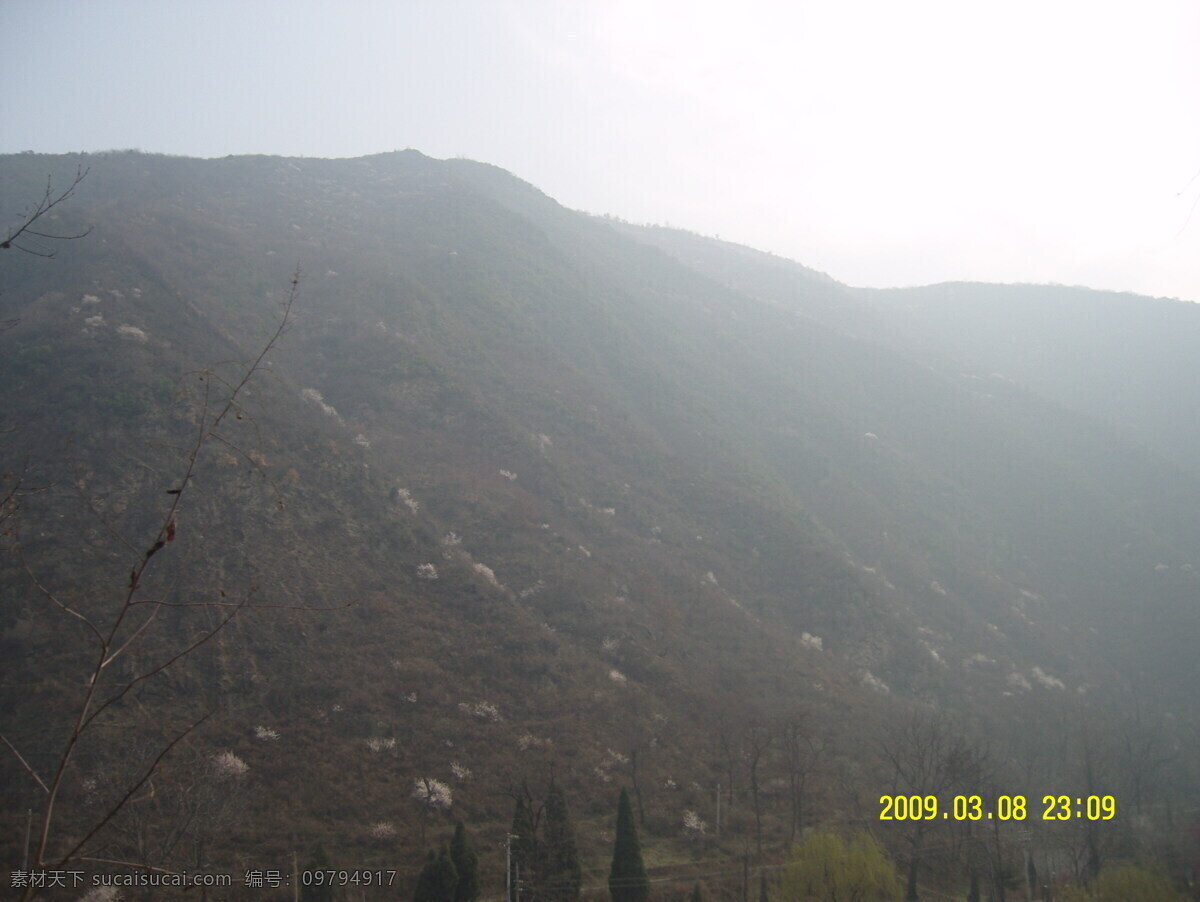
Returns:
(322,892)
(466,863)
(524,846)
(627,881)
(438,879)
(562,874)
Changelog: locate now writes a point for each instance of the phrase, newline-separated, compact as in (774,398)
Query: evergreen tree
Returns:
(697,894)
(524,846)
(627,881)
(322,892)
(466,863)
(561,874)
(438,879)
(973,889)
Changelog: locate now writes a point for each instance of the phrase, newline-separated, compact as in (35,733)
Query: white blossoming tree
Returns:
(432,795)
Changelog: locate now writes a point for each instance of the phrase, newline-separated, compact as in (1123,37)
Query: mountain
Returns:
(520,491)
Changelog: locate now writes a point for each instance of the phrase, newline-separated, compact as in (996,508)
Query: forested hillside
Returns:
(525,506)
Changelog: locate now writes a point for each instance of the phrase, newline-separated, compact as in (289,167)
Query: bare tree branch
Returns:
(18,236)
(53,599)
(116,639)
(132,789)
(24,763)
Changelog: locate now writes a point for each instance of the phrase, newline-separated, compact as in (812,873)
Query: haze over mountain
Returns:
(573,495)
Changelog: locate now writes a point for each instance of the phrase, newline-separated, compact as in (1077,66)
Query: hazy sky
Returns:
(884,142)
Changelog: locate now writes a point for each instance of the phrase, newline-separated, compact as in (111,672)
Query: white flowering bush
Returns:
(482,710)
(509,475)
(527,741)
(102,894)
(227,766)
(410,502)
(381,744)
(873,682)
(265,734)
(427,571)
(1046,680)
(451,539)
(693,825)
(312,396)
(1018,681)
(461,773)
(530,591)
(487,573)
(617,677)
(382,830)
(132,333)
(433,793)
(808,640)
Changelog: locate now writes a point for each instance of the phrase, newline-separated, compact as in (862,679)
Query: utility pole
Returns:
(718,811)
(508,873)
(1024,836)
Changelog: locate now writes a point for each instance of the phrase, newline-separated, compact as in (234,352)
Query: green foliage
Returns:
(438,880)
(466,863)
(828,867)
(627,880)
(1129,883)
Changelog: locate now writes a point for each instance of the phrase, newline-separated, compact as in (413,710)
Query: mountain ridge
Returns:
(653,478)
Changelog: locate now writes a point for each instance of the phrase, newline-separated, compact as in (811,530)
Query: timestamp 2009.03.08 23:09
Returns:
(1001,808)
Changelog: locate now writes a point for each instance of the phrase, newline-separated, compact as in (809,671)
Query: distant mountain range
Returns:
(574,496)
